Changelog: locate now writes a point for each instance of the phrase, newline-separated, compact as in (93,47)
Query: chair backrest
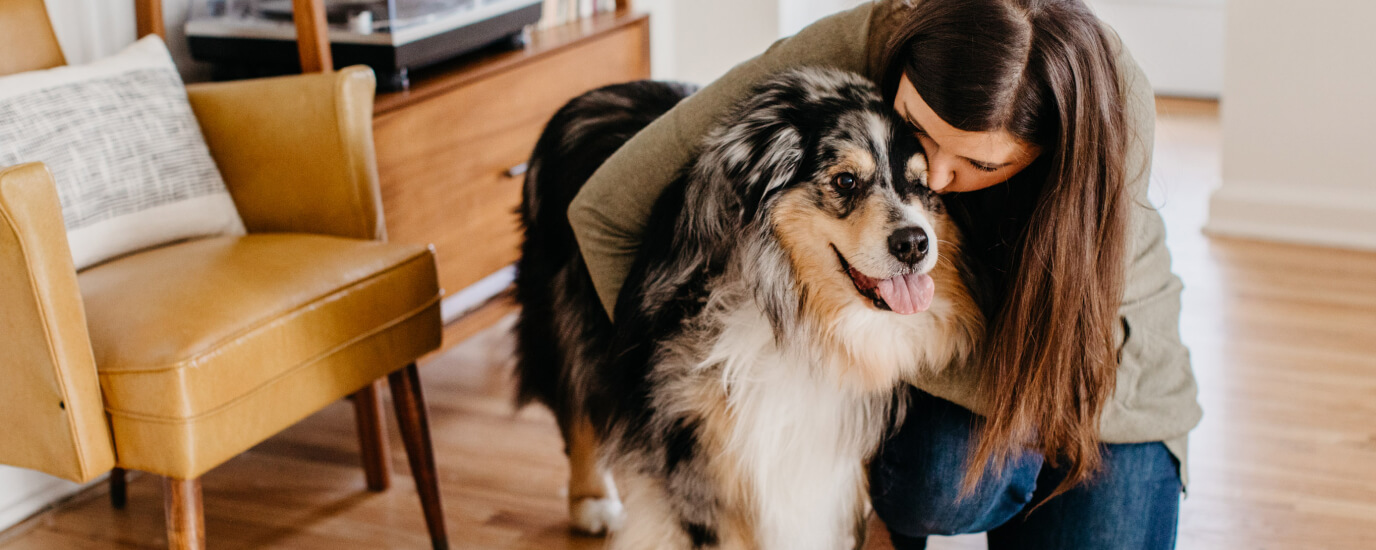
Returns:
(27,42)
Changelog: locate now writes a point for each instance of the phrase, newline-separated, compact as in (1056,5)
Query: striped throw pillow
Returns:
(124,147)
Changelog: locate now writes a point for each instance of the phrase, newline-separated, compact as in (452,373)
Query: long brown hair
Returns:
(1053,235)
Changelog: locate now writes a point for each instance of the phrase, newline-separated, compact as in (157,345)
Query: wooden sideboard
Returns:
(449,148)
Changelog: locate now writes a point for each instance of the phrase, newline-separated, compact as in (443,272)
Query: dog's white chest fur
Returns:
(799,436)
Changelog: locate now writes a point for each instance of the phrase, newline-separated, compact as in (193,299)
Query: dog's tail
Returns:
(555,343)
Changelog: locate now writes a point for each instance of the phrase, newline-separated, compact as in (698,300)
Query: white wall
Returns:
(1178,43)
(711,36)
(1298,136)
(796,14)
(92,29)
(699,40)
(25,492)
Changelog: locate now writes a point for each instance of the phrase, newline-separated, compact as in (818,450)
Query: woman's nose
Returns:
(939,175)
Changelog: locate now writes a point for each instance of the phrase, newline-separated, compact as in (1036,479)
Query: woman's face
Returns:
(957,160)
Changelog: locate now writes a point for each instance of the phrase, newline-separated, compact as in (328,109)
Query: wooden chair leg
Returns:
(185,516)
(119,489)
(415,433)
(372,436)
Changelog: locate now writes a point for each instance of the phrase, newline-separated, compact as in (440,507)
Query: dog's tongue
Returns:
(908,294)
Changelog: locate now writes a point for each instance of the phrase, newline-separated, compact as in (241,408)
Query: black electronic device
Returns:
(257,37)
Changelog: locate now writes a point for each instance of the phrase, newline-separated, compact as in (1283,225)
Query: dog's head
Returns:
(840,237)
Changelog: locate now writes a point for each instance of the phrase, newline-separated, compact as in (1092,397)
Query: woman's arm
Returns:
(1156,389)
(610,212)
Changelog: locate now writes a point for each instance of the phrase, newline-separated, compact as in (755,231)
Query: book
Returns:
(559,12)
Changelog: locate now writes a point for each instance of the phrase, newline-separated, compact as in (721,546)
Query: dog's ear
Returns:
(760,150)
(777,166)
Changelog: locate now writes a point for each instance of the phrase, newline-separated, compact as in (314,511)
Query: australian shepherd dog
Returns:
(789,280)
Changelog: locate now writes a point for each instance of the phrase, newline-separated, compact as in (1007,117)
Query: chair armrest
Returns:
(54,418)
(297,151)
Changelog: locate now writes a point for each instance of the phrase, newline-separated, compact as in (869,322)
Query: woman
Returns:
(1070,430)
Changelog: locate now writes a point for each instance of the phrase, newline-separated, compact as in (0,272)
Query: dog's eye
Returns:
(844,181)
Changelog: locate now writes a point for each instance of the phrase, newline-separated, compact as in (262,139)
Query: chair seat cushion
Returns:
(186,335)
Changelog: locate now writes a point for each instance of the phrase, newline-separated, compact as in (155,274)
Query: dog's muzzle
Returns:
(904,294)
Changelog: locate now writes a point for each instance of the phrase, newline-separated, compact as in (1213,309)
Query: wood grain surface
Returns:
(372,437)
(182,507)
(148,18)
(446,149)
(312,36)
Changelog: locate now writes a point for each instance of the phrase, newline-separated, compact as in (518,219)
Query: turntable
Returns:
(256,37)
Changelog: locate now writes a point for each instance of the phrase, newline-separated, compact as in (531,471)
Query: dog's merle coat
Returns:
(750,372)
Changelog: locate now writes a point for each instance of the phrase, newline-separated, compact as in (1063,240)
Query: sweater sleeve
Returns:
(1156,389)
(611,211)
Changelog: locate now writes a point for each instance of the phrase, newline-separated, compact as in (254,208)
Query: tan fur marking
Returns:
(714,431)
(964,315)
(916,169)
(587,479)
(855,160)
(807,234)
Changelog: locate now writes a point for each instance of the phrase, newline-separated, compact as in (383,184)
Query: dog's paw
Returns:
(596,516)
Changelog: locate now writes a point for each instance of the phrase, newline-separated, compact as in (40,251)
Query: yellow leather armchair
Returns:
(176,359)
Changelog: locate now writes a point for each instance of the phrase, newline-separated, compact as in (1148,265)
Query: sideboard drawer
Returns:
(444,159)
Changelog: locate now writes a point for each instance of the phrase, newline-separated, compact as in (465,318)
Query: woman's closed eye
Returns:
(982,167)
(920,133)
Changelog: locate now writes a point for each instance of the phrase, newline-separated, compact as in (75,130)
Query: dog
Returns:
(789,280)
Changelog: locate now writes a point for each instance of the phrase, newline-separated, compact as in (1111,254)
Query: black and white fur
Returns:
(748,376)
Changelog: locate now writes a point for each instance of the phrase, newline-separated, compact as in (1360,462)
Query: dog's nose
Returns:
(908,244)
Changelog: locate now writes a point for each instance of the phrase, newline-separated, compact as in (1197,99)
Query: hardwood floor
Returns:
(1283,340)
(500,474)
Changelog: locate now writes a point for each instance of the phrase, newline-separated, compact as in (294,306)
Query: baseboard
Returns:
(460,303)
(38,496)
(1332,217)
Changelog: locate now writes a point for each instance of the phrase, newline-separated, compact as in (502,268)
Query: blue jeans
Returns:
(1131,503)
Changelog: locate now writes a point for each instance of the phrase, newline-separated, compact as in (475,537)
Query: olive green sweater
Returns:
(1155,395)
